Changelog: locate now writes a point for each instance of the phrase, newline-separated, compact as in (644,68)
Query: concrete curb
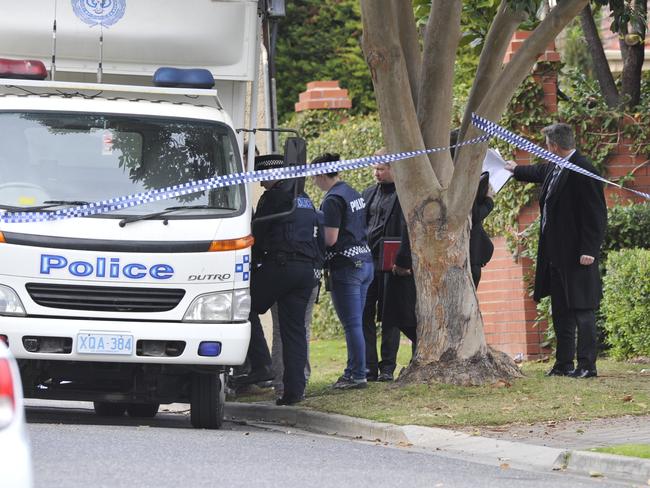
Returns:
(485,450)
(611,465)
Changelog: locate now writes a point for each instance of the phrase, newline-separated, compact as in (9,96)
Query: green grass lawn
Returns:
(633,450)
(620,389)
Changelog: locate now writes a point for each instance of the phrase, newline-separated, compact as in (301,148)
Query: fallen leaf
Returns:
(580,431)
(596,474)
(404,444)
(627,398)
(501,384)
(504,466)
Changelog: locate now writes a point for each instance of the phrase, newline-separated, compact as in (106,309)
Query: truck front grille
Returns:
(105,298)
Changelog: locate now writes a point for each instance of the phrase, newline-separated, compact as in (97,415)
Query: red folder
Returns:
(387,252)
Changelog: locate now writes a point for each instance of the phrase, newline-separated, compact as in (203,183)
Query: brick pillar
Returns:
(323,95)
(622,162)
(508,311)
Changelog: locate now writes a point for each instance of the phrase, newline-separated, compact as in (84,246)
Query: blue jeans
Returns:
(349,289)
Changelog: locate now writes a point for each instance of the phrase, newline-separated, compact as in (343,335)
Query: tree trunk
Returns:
(632,46)
(451,345)
(601,66)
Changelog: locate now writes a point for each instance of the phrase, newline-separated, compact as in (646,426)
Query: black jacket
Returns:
(576,221)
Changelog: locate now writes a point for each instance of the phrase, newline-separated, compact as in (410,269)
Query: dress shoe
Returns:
(288,400)
(385,377)
(583,373)
(559,372)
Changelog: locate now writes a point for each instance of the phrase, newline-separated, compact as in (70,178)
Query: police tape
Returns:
(175,191)
(222,181)
(496,130)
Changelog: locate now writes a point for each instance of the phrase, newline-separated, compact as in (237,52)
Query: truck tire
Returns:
(142,410)
(207,400)
(107,409)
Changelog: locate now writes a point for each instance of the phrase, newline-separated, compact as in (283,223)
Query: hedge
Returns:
(626,303)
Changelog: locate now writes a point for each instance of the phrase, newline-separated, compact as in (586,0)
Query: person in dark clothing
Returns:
(480,245)
(572,230)
(286,256)
(350,266)
(400,287)
(384,219)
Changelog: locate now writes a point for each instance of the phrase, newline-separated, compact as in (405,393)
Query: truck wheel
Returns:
(106,409)
(142,410)
(207,400)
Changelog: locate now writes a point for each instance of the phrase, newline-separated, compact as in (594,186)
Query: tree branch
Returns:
(436,82)
(469,159)
(385,58)
(490,63)
(403,11)
(601,66)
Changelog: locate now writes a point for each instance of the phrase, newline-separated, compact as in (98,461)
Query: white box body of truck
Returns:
(147,304)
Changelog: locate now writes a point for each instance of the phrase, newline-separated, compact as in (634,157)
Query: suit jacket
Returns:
(393,221)
(576,220)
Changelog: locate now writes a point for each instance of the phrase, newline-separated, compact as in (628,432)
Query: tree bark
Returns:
(601,66)
(408,34)
(633,53)
(436,83)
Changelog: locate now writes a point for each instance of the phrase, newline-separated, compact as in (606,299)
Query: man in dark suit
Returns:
(572,229)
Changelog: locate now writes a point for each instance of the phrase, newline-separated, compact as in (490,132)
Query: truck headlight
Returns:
(10,304)
(220,307)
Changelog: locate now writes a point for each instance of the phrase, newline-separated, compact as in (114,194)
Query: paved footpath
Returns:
(543,447)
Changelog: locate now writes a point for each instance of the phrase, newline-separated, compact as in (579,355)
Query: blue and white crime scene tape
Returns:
(190,187)
(522,143)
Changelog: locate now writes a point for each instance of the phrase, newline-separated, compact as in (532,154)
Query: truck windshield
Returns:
(71,158)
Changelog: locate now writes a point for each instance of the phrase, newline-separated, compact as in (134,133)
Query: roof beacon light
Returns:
(28,69)
(183,78)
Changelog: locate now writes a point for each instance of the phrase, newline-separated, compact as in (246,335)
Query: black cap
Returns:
(269,161)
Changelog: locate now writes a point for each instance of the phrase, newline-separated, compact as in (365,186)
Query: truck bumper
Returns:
(233,338)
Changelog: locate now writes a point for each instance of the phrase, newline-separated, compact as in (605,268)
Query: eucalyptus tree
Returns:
(413,83)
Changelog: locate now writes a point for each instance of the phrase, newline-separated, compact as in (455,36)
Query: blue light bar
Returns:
(209,348)
(183,78)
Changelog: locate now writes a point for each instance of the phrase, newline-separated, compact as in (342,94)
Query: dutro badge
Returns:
(99,12)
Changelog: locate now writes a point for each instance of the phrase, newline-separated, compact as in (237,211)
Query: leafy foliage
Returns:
(626,303)
(320,40)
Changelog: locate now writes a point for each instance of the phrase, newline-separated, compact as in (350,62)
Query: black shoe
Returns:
(288,400)
(347,383)
(583,373)
(256,376)
(554,371)
(385,377)
(371,376)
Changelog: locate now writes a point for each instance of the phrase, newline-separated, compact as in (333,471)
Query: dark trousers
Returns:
(290,284)
(389,334)
(566,321)
(476,274)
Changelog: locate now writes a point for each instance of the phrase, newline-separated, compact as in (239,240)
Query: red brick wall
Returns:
(323,95)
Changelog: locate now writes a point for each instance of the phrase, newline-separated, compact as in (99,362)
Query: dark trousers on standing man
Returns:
(566,321)
(390,335)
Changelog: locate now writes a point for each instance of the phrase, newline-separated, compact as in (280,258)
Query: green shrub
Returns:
(626,303)
(628,227)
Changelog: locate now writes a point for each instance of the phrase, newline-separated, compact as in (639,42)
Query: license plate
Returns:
(104,344)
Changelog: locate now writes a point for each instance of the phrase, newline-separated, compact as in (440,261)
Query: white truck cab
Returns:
(148,304)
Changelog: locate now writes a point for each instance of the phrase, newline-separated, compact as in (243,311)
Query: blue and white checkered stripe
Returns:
(119,203)
(522,143)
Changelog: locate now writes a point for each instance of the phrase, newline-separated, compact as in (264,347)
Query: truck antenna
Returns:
(101,53)
(53,68)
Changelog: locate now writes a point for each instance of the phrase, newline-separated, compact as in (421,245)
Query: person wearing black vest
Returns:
(349,262)
(572,230)
(286,257)
(384,219)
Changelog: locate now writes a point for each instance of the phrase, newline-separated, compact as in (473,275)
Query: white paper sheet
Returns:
(495,165)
